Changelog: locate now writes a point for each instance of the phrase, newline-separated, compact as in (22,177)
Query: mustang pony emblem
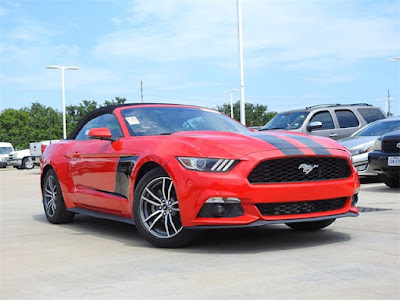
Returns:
(307,168)
(398,145)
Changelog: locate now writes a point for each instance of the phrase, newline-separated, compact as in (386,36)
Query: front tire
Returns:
(27,163)
(53,201)
(310,226)
(156,211)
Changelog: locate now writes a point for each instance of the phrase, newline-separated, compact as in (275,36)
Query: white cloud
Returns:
(283,31)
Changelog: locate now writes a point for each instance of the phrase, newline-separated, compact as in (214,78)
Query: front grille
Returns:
(298,208)
(390,146)
(297,169)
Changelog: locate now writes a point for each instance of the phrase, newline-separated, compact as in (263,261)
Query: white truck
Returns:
(21,159)
(37,149)
(28,158)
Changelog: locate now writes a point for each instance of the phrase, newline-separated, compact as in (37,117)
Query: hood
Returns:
(352,142)
(21,152)
(228,144)
(392,135)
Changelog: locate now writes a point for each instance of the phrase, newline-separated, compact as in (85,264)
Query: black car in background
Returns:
(385,158)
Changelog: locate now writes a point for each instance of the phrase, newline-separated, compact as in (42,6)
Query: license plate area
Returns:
(394,161)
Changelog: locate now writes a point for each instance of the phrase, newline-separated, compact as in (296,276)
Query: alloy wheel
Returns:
(159,210)
(50,196)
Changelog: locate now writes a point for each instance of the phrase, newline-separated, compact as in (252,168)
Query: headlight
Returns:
(207,164)
(377,145)
(361,151)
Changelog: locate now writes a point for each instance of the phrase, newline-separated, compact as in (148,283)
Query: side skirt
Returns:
(101,215)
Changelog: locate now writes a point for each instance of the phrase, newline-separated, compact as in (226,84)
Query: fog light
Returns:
(219,210)
(219,207)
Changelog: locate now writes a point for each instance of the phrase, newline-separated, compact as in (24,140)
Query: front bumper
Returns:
(195,188)
(15,162)
(379,162)
(360,162)
(260,223)
(3,164)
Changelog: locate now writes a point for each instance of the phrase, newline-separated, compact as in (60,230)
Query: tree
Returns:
(38,122)
(117,100)
(77,112)
(25,125)
(256,115)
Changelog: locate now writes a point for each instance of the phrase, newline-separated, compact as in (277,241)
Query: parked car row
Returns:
(335,121)
(361,143)
(22,159)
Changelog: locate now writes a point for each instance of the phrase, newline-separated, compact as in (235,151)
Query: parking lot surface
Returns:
(354,258)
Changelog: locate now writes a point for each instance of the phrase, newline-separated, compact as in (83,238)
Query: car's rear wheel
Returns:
(27,163)
(310,226)
(156,211)
(53,201)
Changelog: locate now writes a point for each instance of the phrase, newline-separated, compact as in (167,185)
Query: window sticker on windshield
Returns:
(132,120)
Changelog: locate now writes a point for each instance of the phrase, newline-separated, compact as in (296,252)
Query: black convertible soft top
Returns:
(106,110)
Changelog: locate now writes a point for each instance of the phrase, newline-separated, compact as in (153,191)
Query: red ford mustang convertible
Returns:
(170,169)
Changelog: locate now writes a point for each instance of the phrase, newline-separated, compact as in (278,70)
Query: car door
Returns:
(94,164)
(348,122)
(328,126)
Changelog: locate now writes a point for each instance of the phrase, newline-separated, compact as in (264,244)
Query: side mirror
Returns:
(314,125)
(100,134)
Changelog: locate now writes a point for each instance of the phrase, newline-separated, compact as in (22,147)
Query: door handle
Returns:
(333,135)
(76,154)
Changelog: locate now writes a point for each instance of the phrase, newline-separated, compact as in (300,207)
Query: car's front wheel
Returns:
(27,163)
(310,226)
(156,211)
(53,201)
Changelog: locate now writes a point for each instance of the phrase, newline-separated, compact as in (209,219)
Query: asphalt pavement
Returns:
(354,258)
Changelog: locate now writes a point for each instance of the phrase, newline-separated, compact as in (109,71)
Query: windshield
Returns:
(167,120)
(6,150)
(378,128)
(288,120)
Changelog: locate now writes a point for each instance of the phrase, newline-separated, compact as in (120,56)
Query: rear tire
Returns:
(53,201)
(156,211)
(310,226)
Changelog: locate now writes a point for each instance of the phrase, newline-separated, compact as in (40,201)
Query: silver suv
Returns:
(336,121)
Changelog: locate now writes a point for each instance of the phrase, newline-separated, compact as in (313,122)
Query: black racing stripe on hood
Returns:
(316,147)
(284,146)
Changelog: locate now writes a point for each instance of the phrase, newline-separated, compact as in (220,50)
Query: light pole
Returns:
(397,59)
(242,101)
(63,93)
(231,91)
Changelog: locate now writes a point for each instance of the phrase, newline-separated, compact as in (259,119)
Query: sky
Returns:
(295,53)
